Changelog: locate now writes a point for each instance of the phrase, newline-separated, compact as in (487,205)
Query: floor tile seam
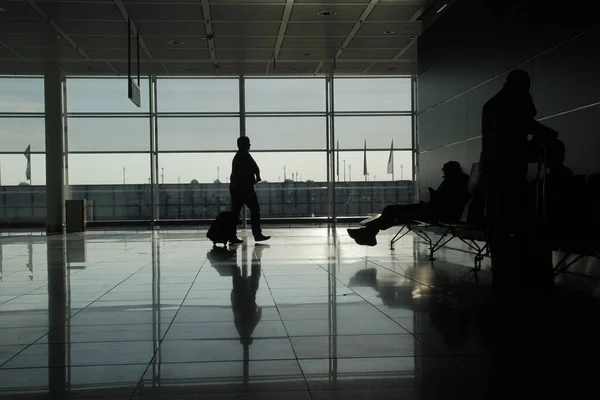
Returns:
(27,293)
(289,341)
(88,306)
(181,305)
(380,311)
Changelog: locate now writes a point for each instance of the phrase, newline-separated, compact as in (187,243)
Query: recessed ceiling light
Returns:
(390,32)
(442,8)
(176,42)
(326,13)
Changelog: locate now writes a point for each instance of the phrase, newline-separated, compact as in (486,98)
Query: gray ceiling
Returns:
(216,37)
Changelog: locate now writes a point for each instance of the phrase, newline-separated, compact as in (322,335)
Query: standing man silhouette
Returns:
(507,122)
(244,174)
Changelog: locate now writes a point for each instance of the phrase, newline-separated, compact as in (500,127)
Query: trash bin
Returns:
(76,218)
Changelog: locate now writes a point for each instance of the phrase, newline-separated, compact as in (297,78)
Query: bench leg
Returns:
(404,231)
(563,265)
(439,244)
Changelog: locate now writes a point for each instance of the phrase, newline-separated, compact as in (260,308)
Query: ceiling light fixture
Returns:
(390,32)
(326,13)
(442,8)
(176,42)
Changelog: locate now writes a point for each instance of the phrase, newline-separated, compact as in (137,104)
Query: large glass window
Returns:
(109,134)
(21,95)
(373,94)
(198,95)
(104,95)
(178,147)
(285,94)
(22,127)
(198,133)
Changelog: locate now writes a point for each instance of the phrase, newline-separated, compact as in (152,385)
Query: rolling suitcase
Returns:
(223,228)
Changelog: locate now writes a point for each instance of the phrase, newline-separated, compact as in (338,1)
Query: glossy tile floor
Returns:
(311,315)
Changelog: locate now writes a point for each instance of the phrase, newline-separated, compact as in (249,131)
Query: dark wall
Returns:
(463,61)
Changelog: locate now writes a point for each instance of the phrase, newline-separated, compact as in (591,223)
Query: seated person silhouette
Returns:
(446,204)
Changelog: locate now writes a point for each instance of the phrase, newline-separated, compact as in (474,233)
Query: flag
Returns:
(338,158)
(28,168)
(365,160)
(390,166)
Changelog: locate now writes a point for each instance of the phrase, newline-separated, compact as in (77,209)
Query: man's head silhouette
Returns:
(243,143)
(518,79)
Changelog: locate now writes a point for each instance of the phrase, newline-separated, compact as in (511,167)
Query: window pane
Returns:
(95,169)
(103,95)
(372,94)
(106,134)
(378,131)
(306,94)
(18,133)
(198,133)
(306,165)
(21,95)
(191,186)
(286,133)
(200,167)
(377,162)
(206,199)
(198,95)
(13,169)
(18,200)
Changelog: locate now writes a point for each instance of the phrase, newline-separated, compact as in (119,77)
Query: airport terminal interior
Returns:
(119,121)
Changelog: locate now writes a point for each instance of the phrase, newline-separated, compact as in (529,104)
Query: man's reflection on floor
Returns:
(246,313)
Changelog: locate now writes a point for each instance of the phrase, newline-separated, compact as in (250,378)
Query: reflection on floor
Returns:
(311,315)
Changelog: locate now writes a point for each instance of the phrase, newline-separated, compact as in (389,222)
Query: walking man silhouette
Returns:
(244,175)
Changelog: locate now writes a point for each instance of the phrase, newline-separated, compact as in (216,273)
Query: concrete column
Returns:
(55,165)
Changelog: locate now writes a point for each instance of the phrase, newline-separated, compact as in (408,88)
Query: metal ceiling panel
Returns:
(110,54)
(169,28)
(244,54)
(346,13)
(245,42)
(163,54)
(389,12)
(313,42)
(86,10)
(94,27)
(368,54)
(25,27)
(240,29)
(18,10)
(246,13)
(166,12)
(378,42)
(319,29)
(399,28)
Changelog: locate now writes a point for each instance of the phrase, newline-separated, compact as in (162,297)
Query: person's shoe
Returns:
(261,238)
(364,237)
(235,240)
(352,232)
